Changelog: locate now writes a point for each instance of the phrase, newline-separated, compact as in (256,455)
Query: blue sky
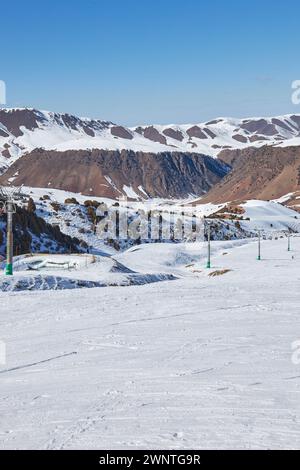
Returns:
(137,62)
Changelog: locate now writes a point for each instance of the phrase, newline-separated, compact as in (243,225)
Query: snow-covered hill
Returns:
(76,219)
(24,129)
(220,134)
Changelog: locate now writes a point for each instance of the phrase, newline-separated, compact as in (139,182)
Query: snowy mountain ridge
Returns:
(24,129)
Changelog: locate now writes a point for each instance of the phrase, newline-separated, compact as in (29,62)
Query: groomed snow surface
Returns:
(197,362)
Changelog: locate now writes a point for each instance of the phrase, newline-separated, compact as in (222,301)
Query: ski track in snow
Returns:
(25,366)
(197,362)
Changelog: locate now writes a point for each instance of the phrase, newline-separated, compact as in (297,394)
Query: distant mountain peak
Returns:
(24,129)
(31,131)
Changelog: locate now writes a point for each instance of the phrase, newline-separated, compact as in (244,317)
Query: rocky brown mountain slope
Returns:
(264,173)
(116,173)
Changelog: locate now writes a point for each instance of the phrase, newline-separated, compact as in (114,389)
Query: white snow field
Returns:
(198,362)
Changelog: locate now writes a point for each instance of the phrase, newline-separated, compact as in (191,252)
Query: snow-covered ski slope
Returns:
(198,362)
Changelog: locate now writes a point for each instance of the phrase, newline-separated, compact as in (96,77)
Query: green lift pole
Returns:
(9,239)
(8,194)
(259,250)
(208,247)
